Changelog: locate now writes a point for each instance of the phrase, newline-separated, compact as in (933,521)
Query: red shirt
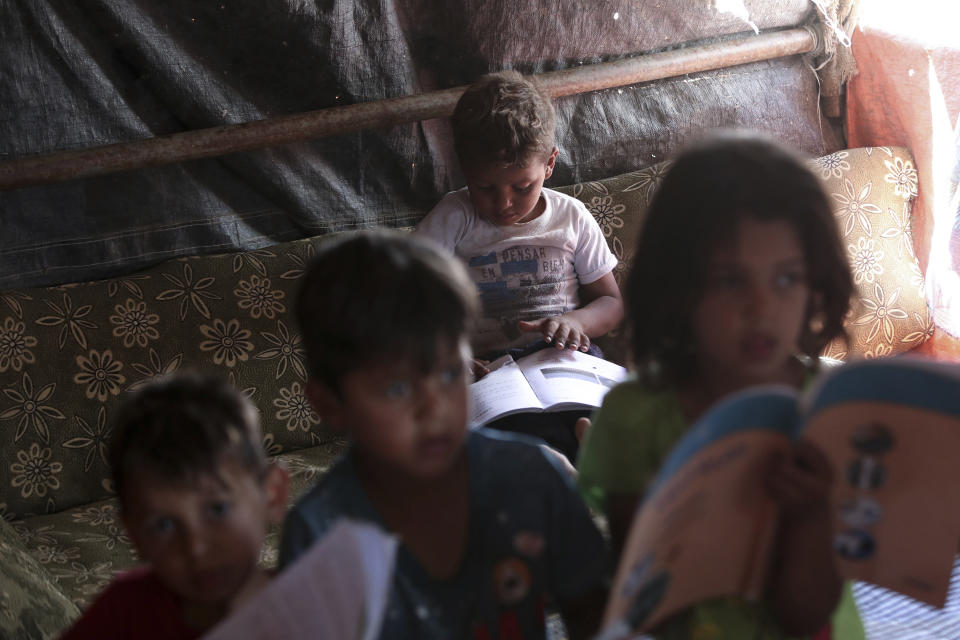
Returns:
(135,605)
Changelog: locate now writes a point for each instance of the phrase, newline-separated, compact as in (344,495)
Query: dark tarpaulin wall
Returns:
(77,75)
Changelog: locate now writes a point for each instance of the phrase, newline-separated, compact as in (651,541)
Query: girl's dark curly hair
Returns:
(706,192)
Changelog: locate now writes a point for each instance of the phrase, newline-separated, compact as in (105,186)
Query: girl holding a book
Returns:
(739,279)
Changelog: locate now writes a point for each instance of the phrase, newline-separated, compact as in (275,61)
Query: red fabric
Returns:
(908,93)
(135,605)
(509,627)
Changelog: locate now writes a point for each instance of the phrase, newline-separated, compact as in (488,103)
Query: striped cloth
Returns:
(888,615)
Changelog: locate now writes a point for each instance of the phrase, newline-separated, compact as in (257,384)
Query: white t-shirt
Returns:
(524,271)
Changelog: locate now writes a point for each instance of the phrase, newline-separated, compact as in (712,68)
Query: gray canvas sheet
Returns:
(81,74)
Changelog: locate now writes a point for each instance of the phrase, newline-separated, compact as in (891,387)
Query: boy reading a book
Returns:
(540,260)
(196,495)
(741,260)
(491,529)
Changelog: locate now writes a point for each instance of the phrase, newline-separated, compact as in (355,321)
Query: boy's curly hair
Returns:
(181,425)
(708,189)
(502,118)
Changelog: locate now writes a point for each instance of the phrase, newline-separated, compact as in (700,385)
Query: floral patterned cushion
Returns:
(69,353)
(31,605)
(872,192)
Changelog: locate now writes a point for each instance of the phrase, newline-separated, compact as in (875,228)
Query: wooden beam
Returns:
(234,138)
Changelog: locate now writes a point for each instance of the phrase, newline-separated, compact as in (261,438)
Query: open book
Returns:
(337,589)
(546,380)
(891,429)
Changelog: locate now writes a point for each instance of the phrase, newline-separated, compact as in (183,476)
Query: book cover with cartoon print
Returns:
(891,430)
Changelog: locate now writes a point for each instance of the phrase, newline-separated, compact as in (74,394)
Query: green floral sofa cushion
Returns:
(31,605)
(872,192)
(69,353)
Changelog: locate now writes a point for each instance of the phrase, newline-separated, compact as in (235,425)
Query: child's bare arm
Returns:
(582,615)
(806,583)
(602,311)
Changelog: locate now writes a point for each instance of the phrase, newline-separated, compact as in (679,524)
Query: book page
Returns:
(502,391)
(706,526)
(891,429)
(338,589)
(562,378)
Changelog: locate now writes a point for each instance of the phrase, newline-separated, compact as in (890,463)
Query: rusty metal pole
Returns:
(234,138)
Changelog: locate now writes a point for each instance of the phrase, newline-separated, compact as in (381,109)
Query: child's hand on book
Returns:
(479,368)
(563,331)
(800,481)
(806,587)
